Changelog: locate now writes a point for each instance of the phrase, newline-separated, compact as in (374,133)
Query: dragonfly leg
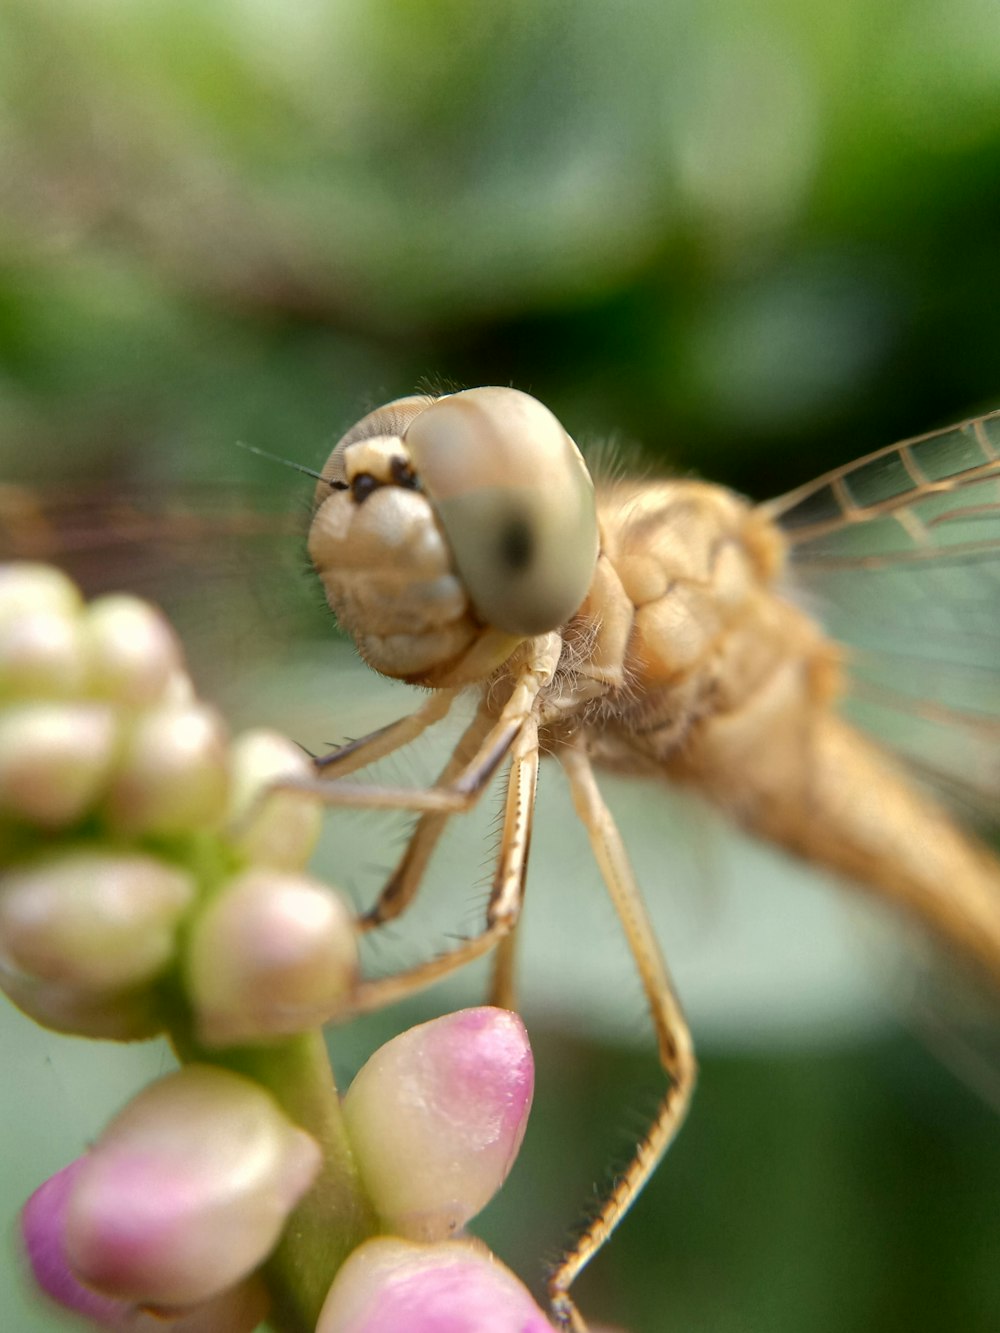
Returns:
(402,885)
(503,987)
(535,671)
(672,1034)
(506,895)
(386,740)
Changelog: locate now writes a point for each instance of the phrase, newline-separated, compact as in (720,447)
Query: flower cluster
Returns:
(143,870)
(150,881)
(178,1206)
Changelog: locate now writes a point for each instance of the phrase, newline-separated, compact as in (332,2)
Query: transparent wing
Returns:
(227,565)
(109,533)
(899,554)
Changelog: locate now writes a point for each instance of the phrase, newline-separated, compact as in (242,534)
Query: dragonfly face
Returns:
(449,529)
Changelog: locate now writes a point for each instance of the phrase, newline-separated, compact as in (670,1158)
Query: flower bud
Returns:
(43,1229)
(436,1118)
(43,1222)
(41,655)
(187,1190)
(388,1285)
(240,1309)
(99,920)
(179,690)
(55,760)
(131,1015)
(282,829)
(172,775)
(132,651)
(26,587)
(272,954)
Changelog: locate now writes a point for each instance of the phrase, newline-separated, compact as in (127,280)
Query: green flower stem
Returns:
(336,1215)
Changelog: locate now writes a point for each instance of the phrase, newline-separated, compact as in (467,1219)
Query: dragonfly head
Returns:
(447,530)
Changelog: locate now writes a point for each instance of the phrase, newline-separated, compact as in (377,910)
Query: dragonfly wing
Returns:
(899,556)
(229,569)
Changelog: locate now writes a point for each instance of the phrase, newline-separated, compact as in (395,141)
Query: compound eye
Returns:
(516,502)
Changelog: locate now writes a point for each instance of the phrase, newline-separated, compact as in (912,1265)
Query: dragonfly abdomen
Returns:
(805,779)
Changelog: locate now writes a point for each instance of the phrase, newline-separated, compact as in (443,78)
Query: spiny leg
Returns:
(402,885)
(386,740)
(506,895)
(672,1035)
(532,674)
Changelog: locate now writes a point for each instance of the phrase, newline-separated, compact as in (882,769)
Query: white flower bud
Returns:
(98,920)
(26,587)
(436,1117)
(187,1190)
(41,655)
(77,1010)
(179,690)
(172,774)
(282,829)
(132,651)
(272,954)
(55,760)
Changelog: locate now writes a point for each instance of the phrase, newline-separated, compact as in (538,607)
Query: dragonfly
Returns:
(647,628)
(670,630)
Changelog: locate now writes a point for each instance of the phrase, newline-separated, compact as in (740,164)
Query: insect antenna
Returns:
(276,458)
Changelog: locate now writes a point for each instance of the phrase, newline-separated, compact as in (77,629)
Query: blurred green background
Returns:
(756,237)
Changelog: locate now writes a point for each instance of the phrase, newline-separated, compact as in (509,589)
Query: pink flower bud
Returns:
(436,1118)
(172,775)
(187,1190)
(282,829)
(388,1285)
(97,920)
(132,651)
(272,954)
(43,1228)
(55,759)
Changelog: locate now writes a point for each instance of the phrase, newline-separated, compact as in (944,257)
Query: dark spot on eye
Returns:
(402,474)
(517,545)
(362,486)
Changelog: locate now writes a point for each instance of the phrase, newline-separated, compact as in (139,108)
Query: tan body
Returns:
(715,679)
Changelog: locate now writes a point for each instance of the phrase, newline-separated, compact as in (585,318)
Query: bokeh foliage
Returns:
(722,230)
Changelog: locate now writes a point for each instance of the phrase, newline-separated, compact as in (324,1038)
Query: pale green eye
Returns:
(516,503)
